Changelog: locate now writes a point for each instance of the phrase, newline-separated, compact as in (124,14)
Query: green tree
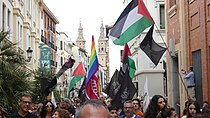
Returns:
(13,73)
(39,75)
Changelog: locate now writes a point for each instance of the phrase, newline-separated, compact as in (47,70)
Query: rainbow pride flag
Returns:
(92,81)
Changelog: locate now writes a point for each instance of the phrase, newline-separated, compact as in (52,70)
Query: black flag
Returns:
(114,85)
(53,82)
(127,89)
(82,95)
(50,86)
(66,66)
(151,48)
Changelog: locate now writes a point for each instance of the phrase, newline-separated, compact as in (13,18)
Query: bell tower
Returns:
(103,52)
(80,39)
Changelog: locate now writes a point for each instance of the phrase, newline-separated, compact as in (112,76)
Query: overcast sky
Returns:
(91,13)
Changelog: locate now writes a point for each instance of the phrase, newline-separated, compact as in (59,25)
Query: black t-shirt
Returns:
(29,115)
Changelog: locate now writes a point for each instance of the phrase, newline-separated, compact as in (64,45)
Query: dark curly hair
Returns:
(153,109)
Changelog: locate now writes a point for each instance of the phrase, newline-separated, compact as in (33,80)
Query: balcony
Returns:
(52,62)
(51,28)
(20,50)
(51,45)
(43,39)
(55,48)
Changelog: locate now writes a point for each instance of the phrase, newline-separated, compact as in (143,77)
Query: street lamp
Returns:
(29,53)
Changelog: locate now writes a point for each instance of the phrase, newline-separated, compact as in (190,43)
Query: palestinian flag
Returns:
(78,74)
(132,21)
(127,59)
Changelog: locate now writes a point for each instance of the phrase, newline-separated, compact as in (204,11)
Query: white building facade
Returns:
(22,19)
(145,69)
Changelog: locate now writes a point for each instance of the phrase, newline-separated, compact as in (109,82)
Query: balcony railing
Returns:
(51,28)
(43,39)
(52,63)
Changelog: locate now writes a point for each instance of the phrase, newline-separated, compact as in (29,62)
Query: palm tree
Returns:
(13,74)
(42,78)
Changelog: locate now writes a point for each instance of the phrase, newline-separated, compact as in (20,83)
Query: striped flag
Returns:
(132,21)
(127,59)
(91,86)
(78,74)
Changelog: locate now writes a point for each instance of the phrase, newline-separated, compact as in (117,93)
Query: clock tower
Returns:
(80,39)
(103,53)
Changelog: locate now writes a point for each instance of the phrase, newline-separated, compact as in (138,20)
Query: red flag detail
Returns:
(80,70)
(92,88)
(143,10)
(126,52)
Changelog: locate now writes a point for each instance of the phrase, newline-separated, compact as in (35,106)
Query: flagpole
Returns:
(182,81)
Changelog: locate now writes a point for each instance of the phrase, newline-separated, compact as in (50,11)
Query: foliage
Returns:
(57,96)
(39,75)
(13,73)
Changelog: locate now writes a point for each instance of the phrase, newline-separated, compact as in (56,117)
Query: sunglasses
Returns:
(48,106)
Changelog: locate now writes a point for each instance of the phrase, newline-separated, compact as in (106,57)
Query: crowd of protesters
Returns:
(102,108)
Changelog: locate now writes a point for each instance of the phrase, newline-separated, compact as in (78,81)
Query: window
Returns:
(162,16)
(42,32)
(61,45)
(21,35)
(45,19)
(29,42)
(42,15)
(48,23)
(18,33)
(8,18)
(3,17)
(28,5)
(172,3)
(61,61)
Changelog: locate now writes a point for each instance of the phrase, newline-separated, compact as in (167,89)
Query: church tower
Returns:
(103,53)
(80,39)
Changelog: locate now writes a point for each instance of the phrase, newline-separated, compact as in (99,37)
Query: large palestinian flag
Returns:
(132,21)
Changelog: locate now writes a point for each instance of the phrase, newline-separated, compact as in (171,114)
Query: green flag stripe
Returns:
(74,80)
(133,31)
